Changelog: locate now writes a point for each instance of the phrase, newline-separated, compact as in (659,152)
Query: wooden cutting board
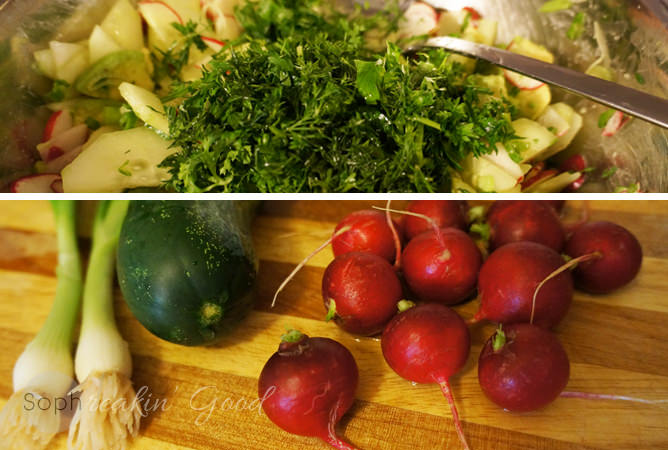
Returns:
(617,344)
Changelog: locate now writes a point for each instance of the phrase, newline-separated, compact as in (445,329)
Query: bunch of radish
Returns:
(384,266)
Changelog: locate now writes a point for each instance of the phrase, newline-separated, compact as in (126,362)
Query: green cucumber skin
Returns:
(187,269)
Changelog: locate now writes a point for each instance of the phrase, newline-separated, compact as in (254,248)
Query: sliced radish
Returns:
(57,186)
(63,142)
(58,122)
(159,16)
(58,164)
(522,82)
(38,183)
(418,19)
(535,170)
(540,177)
(475,15)
(615,123)
(552,120)
(213,9)
(214,44)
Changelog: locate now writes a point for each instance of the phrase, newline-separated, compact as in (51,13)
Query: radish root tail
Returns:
(447,392)
(431,221)
(561,269)
(331,438)
(395,236)
(305,260)
(589,396)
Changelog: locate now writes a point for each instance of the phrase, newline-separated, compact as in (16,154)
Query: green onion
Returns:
(605,117)
(45,368)
(555,5)
(109,413)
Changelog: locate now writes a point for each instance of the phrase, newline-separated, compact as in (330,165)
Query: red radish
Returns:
(523,367)
(557,205)
(522,82)
(525,220)
(63,142)
(509,279)
(368,232)
(214,44)
(475,15)
(446,214)
(537,174)
(576,163)
(58,122)
(428,343)
(308,385)
(615,123)
(620,261)
(57,164)
(176,15)
(442,265)
(38,183)
(361,292)
(57,186)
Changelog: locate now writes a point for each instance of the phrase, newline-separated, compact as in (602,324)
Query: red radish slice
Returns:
(418,19)
(57,186)
(522,82)
(552,120)
(214,44)
(39,183)
(153,3)
(475,15)
(63,142)
(57,123)
(540,176)
(58,164)
(576,163)
(615,123)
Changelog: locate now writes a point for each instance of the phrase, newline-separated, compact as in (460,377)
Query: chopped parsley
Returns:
(577,26)
(58,91)
(299,103)
(639,78)
(610,171)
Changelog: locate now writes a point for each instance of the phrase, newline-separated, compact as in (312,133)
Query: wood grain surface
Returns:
(200,397)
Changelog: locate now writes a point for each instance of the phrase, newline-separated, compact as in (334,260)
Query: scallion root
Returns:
(108,414)
(23,429)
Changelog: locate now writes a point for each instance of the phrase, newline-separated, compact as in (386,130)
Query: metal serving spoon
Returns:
(631,101)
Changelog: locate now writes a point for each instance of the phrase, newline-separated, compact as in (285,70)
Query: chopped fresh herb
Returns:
(299,103)
(58,91)
(167,64)
(369,76)
(588,169)
(639,78)
(465,23)
(577,26)
(552,130)
(632,188)
(123,169)
(555,5)
(610,171)
(605,117)
(92,123)
(516,148)
(513,90)
(128,120)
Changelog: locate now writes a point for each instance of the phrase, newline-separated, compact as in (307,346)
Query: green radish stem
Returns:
(564,267)
(45,368)
(305,260)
